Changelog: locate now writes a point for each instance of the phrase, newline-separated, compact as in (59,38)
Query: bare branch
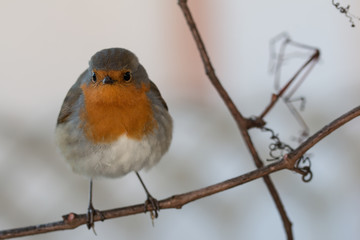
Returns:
(72,220)
(311,141)
(243,124)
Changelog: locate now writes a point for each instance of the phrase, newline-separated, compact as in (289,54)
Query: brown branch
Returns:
(72,220)
(243,124)
(311,141)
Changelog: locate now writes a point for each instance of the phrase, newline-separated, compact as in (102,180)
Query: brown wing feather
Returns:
(71,97)
(157,94)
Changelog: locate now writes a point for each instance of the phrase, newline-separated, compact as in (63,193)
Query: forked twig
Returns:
(299,75)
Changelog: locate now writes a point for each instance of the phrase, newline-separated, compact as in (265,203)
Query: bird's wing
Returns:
(71,97)
(156,92)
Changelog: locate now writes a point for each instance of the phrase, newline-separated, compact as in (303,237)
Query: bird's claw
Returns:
(155,207)
(90,217)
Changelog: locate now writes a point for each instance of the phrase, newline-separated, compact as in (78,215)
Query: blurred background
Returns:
(45,45)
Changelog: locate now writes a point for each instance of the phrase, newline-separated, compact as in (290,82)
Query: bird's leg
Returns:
(150,200)
(92,211)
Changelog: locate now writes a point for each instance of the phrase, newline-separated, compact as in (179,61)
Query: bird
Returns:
(113,121)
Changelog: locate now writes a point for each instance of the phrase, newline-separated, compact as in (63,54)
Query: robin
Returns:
(113,121)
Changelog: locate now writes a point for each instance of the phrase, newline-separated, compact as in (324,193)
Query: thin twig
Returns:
(311,141)
(240,120)
(345,11)
(275,97)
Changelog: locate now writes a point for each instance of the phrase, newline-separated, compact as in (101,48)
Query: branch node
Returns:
(254,122)
(69,217)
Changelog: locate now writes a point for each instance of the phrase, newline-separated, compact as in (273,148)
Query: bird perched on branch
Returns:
(113,121)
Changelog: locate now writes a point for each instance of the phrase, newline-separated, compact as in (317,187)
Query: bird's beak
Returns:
(107,80)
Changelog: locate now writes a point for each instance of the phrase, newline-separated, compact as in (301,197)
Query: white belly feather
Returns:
(115,159)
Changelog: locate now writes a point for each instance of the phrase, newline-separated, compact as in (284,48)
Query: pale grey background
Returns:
(45,45)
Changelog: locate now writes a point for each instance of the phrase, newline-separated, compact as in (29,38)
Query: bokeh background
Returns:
(45,45)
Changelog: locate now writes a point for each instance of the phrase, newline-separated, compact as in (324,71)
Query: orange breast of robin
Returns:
(114,110)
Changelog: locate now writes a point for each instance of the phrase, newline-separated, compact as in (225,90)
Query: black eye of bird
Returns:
(127,76)
(93,77)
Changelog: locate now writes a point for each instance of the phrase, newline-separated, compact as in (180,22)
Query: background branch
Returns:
(240,120)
